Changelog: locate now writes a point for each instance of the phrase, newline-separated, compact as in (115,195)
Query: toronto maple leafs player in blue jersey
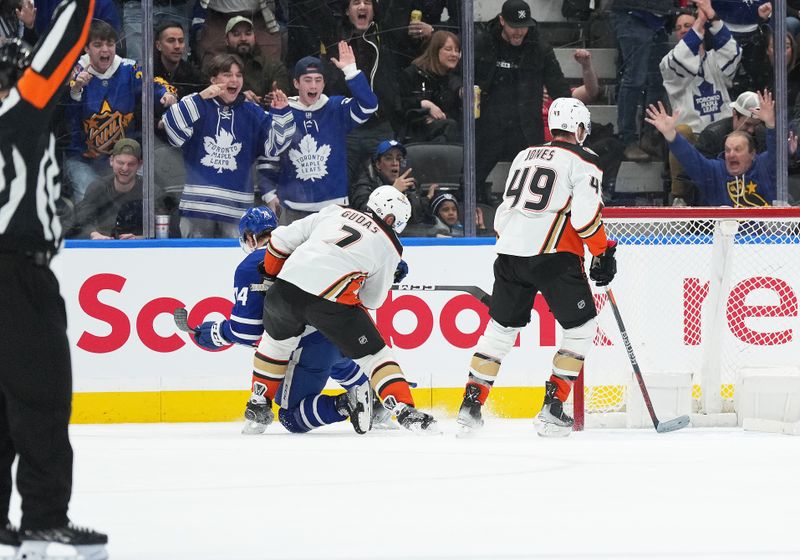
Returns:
(302,406)
(312,173)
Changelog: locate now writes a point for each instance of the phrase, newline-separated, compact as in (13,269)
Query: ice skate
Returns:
(411,418)
(258,415)
(77,543)
(381,417)
(357,404)
(552,421)
(469,415)
(9,542)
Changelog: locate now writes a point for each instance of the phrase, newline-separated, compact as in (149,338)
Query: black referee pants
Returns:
(35,393)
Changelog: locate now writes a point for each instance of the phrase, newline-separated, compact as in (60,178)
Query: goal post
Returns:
(705,292)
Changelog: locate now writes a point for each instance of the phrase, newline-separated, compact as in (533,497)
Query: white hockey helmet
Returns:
(568,113)
(388,201)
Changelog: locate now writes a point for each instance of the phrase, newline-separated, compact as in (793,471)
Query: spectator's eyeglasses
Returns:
(399,159)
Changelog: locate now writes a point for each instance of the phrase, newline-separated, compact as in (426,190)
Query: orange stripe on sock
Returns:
(399,389)
(484,391)
(564,387)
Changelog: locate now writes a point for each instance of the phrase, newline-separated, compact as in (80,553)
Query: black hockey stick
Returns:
(474,291)
(661,427)
(181,317)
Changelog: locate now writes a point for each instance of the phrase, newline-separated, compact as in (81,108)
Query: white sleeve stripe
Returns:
(356,118)
(246,320)
(243,336)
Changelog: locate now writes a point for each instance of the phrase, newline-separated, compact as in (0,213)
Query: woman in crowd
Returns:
(431,91)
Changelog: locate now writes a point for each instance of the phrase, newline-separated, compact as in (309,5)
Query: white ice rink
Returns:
(203,491)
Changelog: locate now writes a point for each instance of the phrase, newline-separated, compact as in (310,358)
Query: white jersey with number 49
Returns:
(552,202)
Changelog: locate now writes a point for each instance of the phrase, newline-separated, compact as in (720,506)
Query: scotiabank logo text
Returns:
(695,295)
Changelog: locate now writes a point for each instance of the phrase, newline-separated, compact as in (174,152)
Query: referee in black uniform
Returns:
(35,370)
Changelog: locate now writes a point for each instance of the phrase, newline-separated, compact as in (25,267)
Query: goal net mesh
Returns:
(703,292)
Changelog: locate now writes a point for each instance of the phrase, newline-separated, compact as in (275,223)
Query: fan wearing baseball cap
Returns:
(262,75)
(513,63)
(711,142)
(312,173)
(96,215)
(741,178)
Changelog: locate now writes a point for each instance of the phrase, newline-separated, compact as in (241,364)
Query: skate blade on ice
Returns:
(433,429)
(548,429)
(8,552)
(44,550)
(468,430)
(253,428)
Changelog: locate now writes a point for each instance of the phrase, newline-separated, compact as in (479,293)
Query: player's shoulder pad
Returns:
(585,154)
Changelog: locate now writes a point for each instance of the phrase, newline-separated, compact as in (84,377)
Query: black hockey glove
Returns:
(401,272)
(604,267)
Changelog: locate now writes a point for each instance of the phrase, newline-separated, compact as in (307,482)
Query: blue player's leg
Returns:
(347,373)
(303,407)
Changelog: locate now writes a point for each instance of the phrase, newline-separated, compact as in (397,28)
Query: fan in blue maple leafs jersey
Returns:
(312,173)
(302,407)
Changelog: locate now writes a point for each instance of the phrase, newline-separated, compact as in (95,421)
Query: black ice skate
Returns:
(412,419)
(552,421)
(357,404)
(9,535)
(469,415)
(9,542)
(88,544)
(258,415)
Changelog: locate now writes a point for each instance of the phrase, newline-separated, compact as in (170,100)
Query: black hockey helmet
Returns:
(15,57)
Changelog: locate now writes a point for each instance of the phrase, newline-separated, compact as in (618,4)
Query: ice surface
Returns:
(203,491)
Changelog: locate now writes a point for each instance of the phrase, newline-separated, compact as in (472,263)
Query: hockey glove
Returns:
(604,267)
(209,336)
(401,271)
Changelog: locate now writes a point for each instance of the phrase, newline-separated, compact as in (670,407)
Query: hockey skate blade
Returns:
(550,430)
(253,428)
(8,552)
(673,425)
(466,433)
(433,429)
(42,550)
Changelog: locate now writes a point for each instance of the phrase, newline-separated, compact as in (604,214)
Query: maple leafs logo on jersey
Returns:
(221,151)
(310,162)
(710,101)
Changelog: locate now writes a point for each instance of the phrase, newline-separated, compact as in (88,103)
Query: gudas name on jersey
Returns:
(545,154)
(361,220)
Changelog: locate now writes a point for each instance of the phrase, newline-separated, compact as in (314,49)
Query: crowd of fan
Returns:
(367,77)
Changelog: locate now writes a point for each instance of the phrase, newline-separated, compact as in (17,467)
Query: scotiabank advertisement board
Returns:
(120,297)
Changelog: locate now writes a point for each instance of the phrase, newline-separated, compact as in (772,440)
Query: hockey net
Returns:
(701,291)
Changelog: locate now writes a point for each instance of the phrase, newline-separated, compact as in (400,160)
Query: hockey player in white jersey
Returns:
(330,267)
(552,208)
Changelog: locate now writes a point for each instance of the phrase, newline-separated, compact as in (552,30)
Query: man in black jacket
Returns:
(512,63)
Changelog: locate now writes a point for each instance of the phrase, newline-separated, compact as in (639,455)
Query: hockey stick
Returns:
(661,427)
(181,317)
(474,291)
